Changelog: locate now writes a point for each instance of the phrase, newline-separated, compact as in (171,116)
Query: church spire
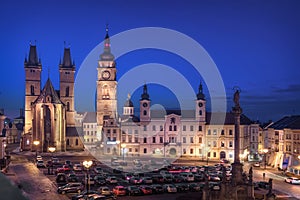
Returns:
(33,59)
(145,95)
(200,95)
(107,55)
(67,60)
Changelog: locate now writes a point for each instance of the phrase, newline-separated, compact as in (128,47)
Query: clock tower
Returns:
(106,85)
(200,105)
(145,105)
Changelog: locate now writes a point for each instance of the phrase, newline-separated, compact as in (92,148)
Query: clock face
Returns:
(200,104)
(106,75)
(145,104)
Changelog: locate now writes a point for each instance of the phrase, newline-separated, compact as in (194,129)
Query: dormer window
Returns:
(48,99)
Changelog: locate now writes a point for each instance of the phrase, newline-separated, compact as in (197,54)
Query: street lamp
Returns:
(36,143)
(52,149)
(265,151)
(123,150)
(87,165)
(118,146)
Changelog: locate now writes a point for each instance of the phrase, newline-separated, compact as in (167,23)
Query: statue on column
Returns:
(236,98)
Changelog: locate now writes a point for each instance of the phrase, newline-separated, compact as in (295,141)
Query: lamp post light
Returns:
(123,150)
(52,149)
(265,151)
(118,146)
(87,165)
(36,143)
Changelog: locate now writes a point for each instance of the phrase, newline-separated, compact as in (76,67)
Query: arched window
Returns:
(32,90)
(200,112)
(145,112)
(67,91)
(170,128)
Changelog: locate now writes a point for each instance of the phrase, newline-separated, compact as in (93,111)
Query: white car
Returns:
(40,163)
(39,158)
(292,180)
(256,164)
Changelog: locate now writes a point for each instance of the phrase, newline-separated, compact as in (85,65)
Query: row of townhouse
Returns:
(282,140)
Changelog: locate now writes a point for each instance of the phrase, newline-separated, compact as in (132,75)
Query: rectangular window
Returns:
(136,150)
(184,127)
(170,128)
(145,128)
(130,150)
(153,128)
(208,132)
(222,144)
(161,140)
(209,144)
(145,150)
(136,132)
(114,139)
(230,143)
(199,128)
(161,128)
(230,132)
(215,132)
(129,131)
(200,140)
(114,130)
(145,140)
(130,139)
(153,139)
(223,132)
(191,151)
(191,139)
(191,128)
(136,139)
(184,140)
(214,143)
(184,151)
(88,126)
(108,130)
(175,128)
(215,154)
(123,139)
(208,154)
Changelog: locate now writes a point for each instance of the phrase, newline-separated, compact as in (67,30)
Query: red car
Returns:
(119,190)
(146,189)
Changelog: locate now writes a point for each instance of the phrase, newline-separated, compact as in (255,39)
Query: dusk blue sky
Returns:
(254,44)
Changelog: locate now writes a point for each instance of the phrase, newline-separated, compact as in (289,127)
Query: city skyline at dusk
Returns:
(253,44)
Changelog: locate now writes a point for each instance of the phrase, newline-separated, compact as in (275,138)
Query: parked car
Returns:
(70,187)
(98,170)
(77,167)
(104,190)
(182,187)
(111,180)
(292,180)
(99,180)
(134,190)
(146,189)
(170,188)
(147,180)
(156,188)
(256,164)
(177,179)
(39,158)
(72,178)
(40,164)
(194,187)
(136,180)
(83,195)
(158,179)
(168,178)
(214,186)
(119,190)
(61,179)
